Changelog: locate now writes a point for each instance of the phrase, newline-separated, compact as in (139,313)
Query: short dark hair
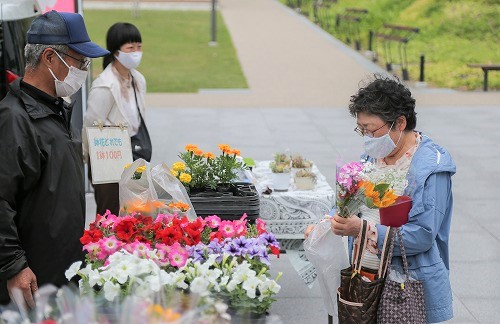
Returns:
(387,98)
(119,34)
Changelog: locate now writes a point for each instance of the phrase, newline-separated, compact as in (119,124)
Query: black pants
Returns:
(107,196)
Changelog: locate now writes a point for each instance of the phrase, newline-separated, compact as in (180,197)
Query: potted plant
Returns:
(281,175)
(305,180)
(212,182)
(300,163)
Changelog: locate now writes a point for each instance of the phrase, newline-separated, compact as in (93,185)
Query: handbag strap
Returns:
(359,252)
(135,96)
(403,252)
(385,258)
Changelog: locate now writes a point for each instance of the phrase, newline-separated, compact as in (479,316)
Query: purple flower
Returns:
(258,251)
(197,252)
(268,239)
(232,249)
(242,242)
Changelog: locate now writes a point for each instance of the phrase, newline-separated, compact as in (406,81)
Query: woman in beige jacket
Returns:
(117,98)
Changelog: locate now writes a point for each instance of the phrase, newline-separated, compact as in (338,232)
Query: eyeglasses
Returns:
(362,132)
(84,64)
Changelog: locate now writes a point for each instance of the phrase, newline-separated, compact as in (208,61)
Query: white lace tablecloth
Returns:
(287,214)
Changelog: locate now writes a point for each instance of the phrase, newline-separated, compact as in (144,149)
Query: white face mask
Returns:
(380,147)
(129,60)
(71,83)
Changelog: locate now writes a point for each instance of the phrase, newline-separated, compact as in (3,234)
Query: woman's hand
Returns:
(308,230)
(349,226)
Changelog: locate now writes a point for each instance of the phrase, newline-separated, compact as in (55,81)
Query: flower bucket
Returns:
(396,215)
(304,183)
(281,181)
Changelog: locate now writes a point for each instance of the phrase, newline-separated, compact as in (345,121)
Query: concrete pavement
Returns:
(300,82)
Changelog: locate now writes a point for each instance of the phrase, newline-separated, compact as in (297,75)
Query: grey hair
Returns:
(33,52)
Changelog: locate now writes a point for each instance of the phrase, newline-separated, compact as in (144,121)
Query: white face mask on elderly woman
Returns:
(71,83)
(380,147)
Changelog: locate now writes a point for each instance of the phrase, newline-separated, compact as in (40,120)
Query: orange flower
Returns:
(224,147)
(388,199)
(235,152)
(191,147)
(209,155)
(179,205)
(198,152)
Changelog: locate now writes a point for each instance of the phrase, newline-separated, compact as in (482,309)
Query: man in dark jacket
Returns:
(42,196)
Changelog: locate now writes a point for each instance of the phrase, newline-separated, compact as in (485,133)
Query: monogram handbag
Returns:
(357,296)
(141,142)
(401,302)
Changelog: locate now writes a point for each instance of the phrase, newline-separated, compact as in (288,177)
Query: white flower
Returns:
(200,286)
(111,290)
(73,270)
(220,307)
(250,285)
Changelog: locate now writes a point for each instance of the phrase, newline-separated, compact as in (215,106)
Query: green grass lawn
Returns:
(452,34)
(177,57)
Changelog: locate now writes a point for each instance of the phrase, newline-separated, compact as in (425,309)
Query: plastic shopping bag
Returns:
(169,188)
(327,253)
(149,191)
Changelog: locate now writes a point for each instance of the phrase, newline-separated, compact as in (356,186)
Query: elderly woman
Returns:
(386,118)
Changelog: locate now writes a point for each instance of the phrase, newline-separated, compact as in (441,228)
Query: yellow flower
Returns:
(127,166)
(185,177)
(140,169)
(179,166)
(174,173)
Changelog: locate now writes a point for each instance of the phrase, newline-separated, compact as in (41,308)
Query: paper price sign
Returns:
(109,151)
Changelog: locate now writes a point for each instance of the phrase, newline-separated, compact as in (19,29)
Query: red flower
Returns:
(125,229)
(275,250)
(169,235)
(92,235)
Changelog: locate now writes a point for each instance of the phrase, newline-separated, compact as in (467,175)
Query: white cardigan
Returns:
(105,102)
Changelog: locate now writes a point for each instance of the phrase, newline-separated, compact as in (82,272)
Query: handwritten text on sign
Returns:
(110,151)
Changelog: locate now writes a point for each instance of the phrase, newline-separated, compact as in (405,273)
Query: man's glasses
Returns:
(84,64)
(362,132)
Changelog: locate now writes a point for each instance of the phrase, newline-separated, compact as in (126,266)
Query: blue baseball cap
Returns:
(64,28)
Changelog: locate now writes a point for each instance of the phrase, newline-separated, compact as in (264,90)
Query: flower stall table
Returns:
(288,213)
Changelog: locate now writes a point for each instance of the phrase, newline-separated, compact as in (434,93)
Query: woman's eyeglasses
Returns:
(363,132)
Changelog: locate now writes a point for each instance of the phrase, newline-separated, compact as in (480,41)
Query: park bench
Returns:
(395,34)
(348,23)
(486,68)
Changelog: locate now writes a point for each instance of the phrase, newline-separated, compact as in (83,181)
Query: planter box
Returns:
(230,205)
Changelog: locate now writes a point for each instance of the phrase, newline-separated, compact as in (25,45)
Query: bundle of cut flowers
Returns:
(361,183)
(206,257)
(67,305)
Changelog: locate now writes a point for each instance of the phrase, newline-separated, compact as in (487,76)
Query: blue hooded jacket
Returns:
(426,235)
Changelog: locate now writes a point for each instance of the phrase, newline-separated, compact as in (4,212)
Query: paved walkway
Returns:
(290,63)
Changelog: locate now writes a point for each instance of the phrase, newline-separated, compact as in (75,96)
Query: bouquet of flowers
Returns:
(349,194)
(136,254)
(361,183)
